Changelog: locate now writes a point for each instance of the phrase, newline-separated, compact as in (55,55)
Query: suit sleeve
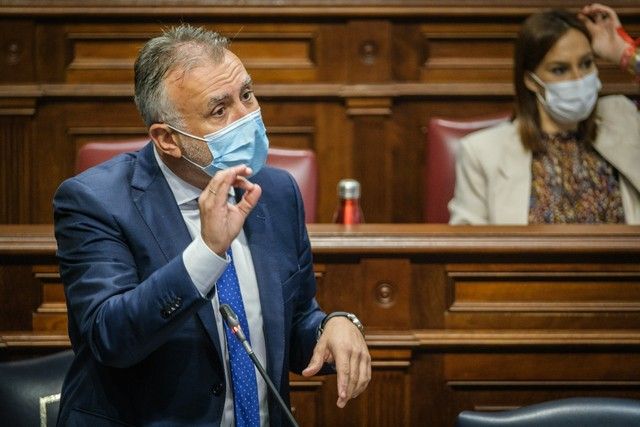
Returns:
(307,314)
(119,315)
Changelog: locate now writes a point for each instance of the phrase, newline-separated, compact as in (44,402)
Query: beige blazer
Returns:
(493,169)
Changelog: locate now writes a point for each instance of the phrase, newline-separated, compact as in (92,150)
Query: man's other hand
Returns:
(342,344)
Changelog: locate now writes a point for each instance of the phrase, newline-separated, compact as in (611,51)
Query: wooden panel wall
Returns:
(355,81)
(456,317)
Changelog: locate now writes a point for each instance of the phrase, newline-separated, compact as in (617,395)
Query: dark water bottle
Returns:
(348,210)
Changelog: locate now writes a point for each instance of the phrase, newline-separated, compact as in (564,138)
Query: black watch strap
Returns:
(352,317)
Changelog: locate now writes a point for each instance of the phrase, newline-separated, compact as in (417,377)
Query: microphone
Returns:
(232,322)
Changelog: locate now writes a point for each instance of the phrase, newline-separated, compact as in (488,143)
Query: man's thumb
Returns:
(316,362)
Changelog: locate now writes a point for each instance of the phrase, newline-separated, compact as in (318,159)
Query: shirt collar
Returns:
(183,192)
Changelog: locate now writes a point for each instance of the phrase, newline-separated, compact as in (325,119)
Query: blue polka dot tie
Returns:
(243,373)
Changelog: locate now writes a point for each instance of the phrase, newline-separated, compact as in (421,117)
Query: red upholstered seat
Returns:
(94,153)
(443,135)
(300,163)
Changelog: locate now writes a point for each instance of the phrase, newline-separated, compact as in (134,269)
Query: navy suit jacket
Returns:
(146,343)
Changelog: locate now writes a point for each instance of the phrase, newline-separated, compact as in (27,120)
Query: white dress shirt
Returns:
(205,267)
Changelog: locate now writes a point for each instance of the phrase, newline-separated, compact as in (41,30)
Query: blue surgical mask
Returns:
(570,101)
(243,142)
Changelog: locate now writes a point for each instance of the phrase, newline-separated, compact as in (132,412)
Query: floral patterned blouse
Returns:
(572,183)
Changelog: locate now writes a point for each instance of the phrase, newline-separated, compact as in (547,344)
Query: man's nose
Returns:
(239,111)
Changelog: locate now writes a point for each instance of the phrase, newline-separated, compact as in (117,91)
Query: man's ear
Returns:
(163,138)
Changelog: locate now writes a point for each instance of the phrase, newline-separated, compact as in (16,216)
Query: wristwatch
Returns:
(352,317)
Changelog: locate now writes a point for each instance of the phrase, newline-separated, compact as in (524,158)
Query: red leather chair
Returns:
(302,164)
(443,135)
(299,163)
(93,153)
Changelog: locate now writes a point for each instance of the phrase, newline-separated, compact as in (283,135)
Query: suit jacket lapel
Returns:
(265,262)
(620,150)
(510,200)
(150,190)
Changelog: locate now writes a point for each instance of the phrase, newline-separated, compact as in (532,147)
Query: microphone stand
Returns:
(231,320)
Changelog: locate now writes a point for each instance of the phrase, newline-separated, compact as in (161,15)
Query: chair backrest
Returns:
(577,411)
(30,389)
(300,163)
(94,153)
(443,135)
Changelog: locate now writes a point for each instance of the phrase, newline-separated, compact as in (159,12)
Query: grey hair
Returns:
(182,47)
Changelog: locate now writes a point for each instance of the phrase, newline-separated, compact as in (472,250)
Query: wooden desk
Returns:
(457,317)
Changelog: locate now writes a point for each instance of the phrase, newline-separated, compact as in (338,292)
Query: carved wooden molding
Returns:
(17,106)
(428,238)
(368,106)
(27,239)
(407,238)
(22,339)
(541,384)
(520,338)
(294,8)
(550,291)
(381,344)
(297,91)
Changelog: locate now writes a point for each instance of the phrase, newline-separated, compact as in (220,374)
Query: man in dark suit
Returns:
(146,239)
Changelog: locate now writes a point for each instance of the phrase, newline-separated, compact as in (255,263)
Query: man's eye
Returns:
(218,112)
(247,96)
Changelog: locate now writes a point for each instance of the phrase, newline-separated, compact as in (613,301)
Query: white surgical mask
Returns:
(570,101)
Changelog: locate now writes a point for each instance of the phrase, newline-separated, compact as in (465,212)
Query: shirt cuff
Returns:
(203,265)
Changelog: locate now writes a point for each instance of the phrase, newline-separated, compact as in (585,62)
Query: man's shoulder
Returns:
(272,176)
(112,176)
(279,187)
